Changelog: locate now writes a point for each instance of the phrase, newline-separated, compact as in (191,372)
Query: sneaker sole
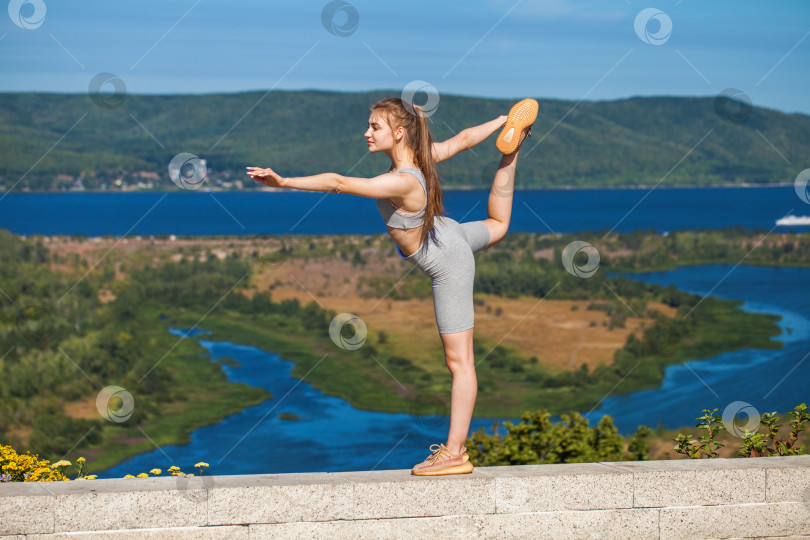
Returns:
(521,116)
(464,468)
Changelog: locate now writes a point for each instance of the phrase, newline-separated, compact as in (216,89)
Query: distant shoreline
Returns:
(451,188)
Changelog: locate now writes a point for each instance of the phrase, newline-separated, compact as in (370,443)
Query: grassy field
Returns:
(555,335)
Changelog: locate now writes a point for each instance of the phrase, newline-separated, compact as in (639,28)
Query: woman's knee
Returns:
(459,359)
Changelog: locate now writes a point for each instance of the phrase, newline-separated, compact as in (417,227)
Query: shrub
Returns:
(536,439)
(753,444)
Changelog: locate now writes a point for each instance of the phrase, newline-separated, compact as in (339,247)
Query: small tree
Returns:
(707,446)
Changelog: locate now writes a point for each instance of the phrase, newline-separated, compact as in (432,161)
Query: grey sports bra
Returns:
(396,219)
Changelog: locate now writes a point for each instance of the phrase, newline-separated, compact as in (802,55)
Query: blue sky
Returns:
(566,49)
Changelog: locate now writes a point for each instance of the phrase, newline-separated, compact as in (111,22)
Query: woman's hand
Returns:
(266,176)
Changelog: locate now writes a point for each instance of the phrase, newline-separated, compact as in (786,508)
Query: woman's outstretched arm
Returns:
(384,186)
(466,139)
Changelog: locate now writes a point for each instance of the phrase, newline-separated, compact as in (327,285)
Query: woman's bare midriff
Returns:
(408,240)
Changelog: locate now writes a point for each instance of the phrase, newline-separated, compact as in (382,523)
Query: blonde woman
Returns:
(409,199)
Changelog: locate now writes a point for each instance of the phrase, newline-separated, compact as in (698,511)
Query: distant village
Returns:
(125,181)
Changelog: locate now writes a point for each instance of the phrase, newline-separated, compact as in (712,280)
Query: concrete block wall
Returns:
(718,498)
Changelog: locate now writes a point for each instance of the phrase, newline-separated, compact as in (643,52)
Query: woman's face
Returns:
(379,134)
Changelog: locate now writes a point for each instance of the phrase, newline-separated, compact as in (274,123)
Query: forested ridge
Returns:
(635,141)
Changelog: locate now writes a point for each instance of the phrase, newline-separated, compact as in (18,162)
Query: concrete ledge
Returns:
(718,498)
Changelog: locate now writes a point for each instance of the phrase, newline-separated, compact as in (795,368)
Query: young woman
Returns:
(409,199)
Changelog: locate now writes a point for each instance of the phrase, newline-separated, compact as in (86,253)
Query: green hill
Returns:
(610,143)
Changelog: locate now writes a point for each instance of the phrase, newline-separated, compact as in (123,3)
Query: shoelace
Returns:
(432,458)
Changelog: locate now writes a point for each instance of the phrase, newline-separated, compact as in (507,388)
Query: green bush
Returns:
(536,439)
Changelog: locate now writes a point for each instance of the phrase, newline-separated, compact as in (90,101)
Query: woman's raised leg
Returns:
(458,352)
(499,207)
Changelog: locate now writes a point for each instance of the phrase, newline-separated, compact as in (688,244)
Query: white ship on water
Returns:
(793,220)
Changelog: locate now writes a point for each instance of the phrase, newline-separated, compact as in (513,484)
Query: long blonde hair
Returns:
(414,120)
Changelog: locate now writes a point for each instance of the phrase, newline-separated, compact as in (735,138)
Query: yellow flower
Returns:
(80,460)
(156,472)
(174,468)
(91,477)
(129,476)
(143,475)
(62,463)
(201,464)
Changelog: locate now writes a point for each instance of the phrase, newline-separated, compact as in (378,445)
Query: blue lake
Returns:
(769,380)
(257,212)
(330,435)
(333,436)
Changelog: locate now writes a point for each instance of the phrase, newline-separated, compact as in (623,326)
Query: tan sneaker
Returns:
(518,126)
(442,462)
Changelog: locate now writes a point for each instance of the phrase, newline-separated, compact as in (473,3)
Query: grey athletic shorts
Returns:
(447,258)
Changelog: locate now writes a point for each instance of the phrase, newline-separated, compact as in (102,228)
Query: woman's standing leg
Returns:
(451,265)
(458,352)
